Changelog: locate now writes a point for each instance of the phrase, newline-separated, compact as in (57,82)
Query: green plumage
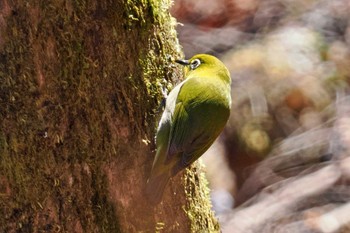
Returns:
(195,114)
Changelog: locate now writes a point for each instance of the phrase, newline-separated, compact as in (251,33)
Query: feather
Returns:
(155,187)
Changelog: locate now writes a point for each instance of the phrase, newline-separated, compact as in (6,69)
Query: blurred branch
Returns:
(270,207)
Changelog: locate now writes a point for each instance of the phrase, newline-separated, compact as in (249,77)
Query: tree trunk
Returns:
(79,92)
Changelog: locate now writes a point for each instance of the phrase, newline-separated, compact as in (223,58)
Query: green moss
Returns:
(46,130)
(3,143)
(198,207)
(68,81)
(105,214)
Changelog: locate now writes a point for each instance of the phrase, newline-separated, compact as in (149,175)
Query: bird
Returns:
(195,113)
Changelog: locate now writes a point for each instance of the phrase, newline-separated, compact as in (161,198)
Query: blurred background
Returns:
(282,164)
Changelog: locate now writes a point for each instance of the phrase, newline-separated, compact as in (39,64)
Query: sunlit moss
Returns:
(198,207)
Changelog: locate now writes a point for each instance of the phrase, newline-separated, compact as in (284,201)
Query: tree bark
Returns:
(79,92)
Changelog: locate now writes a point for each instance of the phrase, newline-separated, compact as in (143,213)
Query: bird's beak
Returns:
(183,62)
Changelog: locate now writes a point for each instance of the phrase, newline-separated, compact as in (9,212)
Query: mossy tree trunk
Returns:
(79,92)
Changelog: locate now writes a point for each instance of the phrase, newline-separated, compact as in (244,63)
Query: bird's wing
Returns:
(179,132)
(192,134)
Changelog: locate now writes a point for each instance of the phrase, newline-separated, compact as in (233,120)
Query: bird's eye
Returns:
(195,63)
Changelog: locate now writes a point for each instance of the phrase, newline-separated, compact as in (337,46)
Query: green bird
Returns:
(195,113)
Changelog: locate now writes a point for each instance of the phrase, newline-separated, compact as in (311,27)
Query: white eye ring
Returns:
(195,63)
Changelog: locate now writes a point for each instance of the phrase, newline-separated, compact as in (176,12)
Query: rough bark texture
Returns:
(79,92)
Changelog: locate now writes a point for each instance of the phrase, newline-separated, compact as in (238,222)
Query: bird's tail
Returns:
(155,187)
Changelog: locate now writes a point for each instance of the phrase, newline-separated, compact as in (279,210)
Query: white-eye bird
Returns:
(196,112)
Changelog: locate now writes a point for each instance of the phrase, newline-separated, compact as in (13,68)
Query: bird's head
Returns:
(205,65)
